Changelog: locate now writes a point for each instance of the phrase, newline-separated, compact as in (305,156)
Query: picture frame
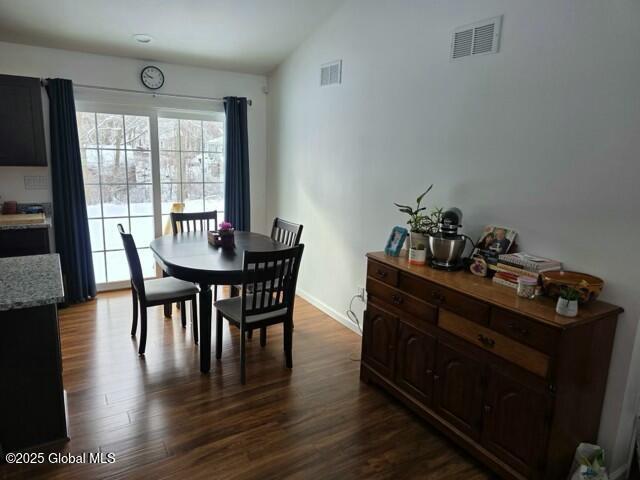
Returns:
(396,241)
(495,240)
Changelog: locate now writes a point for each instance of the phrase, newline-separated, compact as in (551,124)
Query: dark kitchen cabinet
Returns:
(380,339)
(505,401)
(415,362)
(21,122)
(16,242)
(459,389)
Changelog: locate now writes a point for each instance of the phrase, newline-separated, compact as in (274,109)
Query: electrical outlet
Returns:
(361,293)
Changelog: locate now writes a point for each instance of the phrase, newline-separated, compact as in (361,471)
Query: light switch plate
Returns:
(36,182)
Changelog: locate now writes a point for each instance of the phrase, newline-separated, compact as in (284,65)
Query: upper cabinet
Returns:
(21,123)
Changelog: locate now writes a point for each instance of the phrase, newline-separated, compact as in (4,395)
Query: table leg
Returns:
(205,328)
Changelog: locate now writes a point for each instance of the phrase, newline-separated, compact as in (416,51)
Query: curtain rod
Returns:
(154,94)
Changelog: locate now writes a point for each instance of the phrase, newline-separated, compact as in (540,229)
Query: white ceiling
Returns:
(251,36)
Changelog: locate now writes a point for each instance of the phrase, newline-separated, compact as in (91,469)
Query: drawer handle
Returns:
(486,341)
(436,378)
(397,299)
(487,408)
(381,274)
(429,371)
(438,297)
(518,329)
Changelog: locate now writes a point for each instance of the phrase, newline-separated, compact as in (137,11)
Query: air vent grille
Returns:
(331,73)
(476,39)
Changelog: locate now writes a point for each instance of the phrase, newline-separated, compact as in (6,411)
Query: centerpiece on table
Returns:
(224,237)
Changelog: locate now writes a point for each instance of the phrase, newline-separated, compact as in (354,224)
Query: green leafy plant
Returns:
(418,221)
(570,294)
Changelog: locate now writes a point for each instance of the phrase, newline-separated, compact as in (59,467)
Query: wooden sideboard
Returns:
(508,379)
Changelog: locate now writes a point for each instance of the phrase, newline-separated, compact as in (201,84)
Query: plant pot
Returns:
(567,308)
(419,241)
(417,256)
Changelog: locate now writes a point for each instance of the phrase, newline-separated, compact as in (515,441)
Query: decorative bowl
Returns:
(589,286)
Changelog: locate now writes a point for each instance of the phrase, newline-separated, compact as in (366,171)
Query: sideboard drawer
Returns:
(382,273)
(496,343)
(401,301)
(445,297)
(530,332)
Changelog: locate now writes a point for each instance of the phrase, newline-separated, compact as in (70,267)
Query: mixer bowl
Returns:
(446,251)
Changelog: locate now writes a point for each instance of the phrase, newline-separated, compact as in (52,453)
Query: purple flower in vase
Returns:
(225,227)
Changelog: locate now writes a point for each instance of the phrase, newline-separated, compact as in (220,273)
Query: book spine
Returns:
(518,271)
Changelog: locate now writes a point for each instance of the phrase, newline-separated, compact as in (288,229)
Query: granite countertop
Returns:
(22,226)
(30,281)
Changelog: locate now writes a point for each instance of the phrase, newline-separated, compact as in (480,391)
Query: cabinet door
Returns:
(458,383)
(415,362)
(21,124)
(379,337)
(515,422)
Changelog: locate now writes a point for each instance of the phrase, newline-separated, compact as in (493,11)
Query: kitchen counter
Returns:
(30,281)
(23,226)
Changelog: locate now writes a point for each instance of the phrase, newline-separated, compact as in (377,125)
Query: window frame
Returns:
(154,114)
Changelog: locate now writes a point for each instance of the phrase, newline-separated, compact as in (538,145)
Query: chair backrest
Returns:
(135,269)
(286,232)
(193,222)
(273,275)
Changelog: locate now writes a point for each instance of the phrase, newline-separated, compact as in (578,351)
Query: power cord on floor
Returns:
(351,315)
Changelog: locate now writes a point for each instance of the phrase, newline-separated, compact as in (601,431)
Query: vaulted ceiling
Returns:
(251,36)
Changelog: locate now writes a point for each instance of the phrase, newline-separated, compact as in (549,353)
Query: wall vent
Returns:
(331,73)
(476,39)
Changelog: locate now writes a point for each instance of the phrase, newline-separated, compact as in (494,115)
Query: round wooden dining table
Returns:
(189,256)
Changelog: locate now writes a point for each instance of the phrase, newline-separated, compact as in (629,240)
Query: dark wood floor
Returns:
(163,419)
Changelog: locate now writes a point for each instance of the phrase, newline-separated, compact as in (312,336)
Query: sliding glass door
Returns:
(131,159)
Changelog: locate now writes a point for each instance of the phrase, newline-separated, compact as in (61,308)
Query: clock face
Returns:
(152,77)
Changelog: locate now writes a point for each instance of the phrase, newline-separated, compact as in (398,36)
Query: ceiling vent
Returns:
(331,73)
(476,39)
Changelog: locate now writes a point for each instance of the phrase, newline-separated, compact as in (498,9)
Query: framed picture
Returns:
(495,241)
(395,242)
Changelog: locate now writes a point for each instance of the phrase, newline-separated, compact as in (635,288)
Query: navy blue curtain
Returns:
(236,180)
(69,207)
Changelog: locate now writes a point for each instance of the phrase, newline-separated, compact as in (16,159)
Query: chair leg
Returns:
(250,333)
(183,314)
(215,293)
(134,323)
(143,330)
(288,342)
(263,336)
(218,334)
(243,355)
(194,318)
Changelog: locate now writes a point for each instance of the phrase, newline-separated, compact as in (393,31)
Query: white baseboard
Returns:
(334,314)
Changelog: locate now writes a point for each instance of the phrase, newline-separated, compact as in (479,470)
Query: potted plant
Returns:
(568,302)
(226,234)
(420,226)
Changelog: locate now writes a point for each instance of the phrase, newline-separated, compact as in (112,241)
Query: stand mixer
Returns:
(447,246)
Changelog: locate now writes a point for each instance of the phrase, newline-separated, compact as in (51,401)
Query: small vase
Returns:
(567,308)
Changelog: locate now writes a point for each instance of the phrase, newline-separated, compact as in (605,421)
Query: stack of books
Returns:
(513,265)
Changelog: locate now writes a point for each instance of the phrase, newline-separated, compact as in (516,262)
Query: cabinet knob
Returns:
(397,299)
(487,408)
(429,371)
(436,378)
(381,273)
(486,341)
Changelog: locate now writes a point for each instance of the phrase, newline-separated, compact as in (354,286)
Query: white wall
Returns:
(543,136)
(116,72)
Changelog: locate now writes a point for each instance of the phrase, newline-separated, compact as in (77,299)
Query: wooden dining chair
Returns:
(195,222)
(288,233)
(157,291)
(273,277)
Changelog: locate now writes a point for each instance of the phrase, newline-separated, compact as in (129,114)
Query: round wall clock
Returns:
(152,77)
